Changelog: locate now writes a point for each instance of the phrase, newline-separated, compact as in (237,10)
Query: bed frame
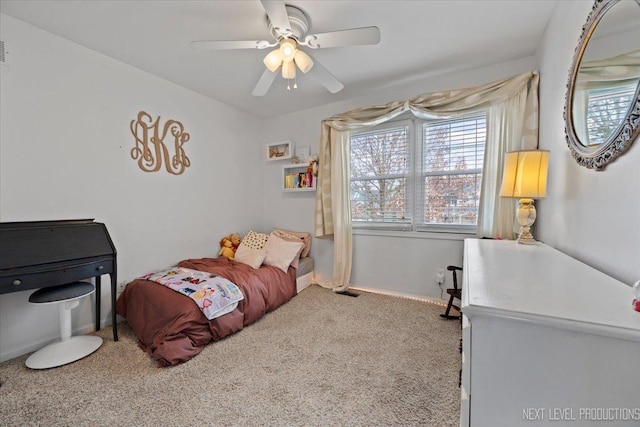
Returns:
(303,282)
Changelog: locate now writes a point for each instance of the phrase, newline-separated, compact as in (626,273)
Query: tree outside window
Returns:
(452,170)
(379,171)
(442,186)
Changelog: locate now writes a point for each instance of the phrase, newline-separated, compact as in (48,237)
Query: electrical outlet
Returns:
(440,276)
(120,287)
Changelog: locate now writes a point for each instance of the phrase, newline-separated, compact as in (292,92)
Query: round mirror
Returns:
(602,106)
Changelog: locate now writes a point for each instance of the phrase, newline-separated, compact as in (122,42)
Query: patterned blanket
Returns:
(213,294)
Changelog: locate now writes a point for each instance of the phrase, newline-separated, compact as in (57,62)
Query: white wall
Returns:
(592,216)
(402,265)
(65,153)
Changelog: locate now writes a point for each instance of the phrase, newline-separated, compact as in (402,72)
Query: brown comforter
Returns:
(171,327)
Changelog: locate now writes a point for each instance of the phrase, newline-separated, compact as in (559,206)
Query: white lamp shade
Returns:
(525,174)
(303,61)
(273,60)
(288,70)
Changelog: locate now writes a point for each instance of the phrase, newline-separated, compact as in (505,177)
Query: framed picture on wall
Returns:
(302,153)
(279,151)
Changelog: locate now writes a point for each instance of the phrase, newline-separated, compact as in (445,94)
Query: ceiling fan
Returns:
(289,26)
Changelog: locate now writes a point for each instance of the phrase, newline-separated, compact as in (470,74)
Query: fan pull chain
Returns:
(295,83)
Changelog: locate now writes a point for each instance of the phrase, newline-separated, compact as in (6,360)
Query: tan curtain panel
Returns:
(333,178)
(621,68)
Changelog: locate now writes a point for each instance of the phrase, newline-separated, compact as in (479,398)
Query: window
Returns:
(418,175)
(381,176)
(451,173)
(607,108)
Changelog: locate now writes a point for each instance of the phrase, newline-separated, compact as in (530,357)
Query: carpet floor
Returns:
(322,359)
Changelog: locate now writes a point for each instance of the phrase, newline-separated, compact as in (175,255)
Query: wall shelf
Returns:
(295,178)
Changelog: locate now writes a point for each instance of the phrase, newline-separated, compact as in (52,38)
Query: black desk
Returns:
(40,254)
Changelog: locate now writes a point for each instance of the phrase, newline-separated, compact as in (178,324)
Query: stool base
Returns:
(62,352)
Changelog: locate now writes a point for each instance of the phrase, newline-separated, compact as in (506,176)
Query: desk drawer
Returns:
(55,276)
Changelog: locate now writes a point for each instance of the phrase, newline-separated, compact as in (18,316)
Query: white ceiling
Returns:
(418,39)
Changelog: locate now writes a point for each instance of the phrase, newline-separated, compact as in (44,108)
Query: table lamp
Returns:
(525,178)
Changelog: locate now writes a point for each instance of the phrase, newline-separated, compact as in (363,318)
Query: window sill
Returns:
(439,235)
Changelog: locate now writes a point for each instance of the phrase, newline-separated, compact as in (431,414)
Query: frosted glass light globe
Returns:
(288,49)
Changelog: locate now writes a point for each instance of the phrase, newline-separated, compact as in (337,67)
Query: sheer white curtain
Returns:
(512,124)
(496,215)
(340,183)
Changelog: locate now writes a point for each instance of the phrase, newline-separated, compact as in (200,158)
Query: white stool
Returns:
(68,349)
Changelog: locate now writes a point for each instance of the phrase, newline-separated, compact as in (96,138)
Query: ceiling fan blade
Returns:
(277,13)
(230,44)
(352,37)
(265,82)
(325,77)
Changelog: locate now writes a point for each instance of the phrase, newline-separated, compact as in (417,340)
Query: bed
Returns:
(172,329)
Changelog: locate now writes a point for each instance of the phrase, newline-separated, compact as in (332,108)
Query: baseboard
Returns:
(400,295)
(37,345)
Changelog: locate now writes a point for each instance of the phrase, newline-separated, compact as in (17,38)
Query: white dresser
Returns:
(547,340)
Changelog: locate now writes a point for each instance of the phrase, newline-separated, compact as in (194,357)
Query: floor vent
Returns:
(3,57)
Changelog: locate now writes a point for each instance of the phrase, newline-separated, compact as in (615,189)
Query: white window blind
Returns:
(606,109)
(381,177)
(439,191)
(451,173)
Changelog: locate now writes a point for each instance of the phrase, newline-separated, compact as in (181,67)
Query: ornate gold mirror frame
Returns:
(626,127)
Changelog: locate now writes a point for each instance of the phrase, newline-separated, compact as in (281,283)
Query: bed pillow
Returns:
(254,240)
(282,253)
(296,236)
(252,257)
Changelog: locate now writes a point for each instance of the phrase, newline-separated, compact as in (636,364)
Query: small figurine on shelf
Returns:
(312,161)
(636,292)
(309,176)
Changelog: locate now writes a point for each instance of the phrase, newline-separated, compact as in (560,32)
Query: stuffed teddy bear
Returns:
(226,248)
(235,241)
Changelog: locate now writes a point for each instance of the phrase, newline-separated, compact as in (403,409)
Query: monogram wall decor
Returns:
(151,150)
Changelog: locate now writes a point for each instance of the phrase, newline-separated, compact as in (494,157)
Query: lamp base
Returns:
(525,237)
(526,216)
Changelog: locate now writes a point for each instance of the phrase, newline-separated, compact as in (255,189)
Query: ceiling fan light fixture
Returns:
(273,60)
(303,61)
(288,48)
(289,70)
(289,26)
